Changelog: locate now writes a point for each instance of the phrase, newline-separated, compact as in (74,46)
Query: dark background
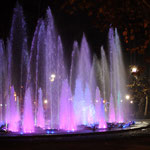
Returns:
(73,17)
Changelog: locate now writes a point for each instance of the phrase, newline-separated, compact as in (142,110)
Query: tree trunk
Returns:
(146,106)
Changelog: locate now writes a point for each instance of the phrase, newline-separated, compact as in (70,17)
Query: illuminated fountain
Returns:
(37,91)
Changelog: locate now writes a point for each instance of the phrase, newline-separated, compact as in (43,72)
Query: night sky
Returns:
(70,27)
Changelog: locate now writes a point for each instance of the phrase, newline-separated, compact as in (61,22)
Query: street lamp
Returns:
(52,77)
(104,101)
(45,101)
(134,69)
(127,97)
(131,102)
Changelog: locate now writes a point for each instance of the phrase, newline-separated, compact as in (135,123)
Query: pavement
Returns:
(136,139)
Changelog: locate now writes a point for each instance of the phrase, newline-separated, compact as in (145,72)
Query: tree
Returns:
(130,17)
(139,87)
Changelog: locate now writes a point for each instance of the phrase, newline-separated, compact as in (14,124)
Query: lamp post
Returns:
(134,69)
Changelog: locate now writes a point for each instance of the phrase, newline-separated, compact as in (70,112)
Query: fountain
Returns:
(36,89)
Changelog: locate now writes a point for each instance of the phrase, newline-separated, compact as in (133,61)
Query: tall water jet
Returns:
(112,115)
(54,68)
(117,75)
(104,74)
(40,111)
(74,65)
(84,62)
(8,80)
(60,76)
(67,120)
(36,60)
(99,110)
(121,79)
(18,41)
(28,119)
(93,80)
(82,96)
(2,83)
(14,117)
(88,110)
(50,64)
(78,102)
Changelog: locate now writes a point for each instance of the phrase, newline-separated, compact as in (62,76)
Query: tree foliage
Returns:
(130,17)
(139,87)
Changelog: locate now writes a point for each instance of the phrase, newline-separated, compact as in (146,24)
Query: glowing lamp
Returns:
(131,102)
(104,101)
(1,105)
(52,77)
(48,132)
(15,94)
(127,97)
(134,69)
(45,101)
(96,101)
(121,100)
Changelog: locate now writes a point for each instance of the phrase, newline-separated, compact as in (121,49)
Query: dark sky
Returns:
(69,27)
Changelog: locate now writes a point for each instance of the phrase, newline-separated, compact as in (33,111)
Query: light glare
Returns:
(45,101)
(127,97)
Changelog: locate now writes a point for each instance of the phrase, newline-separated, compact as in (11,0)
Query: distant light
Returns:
(52,77)
(131,102)
(121,100)
(48,132)
(15,95)
(134,69)
(104,101)
(96,101)
(45,101)
(1,105)
(21,133)
(127,97)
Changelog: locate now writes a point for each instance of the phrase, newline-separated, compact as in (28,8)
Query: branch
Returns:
(146,3)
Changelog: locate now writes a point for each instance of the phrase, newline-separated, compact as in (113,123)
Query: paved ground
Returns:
(128,140)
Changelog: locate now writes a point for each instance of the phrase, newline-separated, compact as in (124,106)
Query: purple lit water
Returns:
(38,90)
(40,111)
(28,119)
